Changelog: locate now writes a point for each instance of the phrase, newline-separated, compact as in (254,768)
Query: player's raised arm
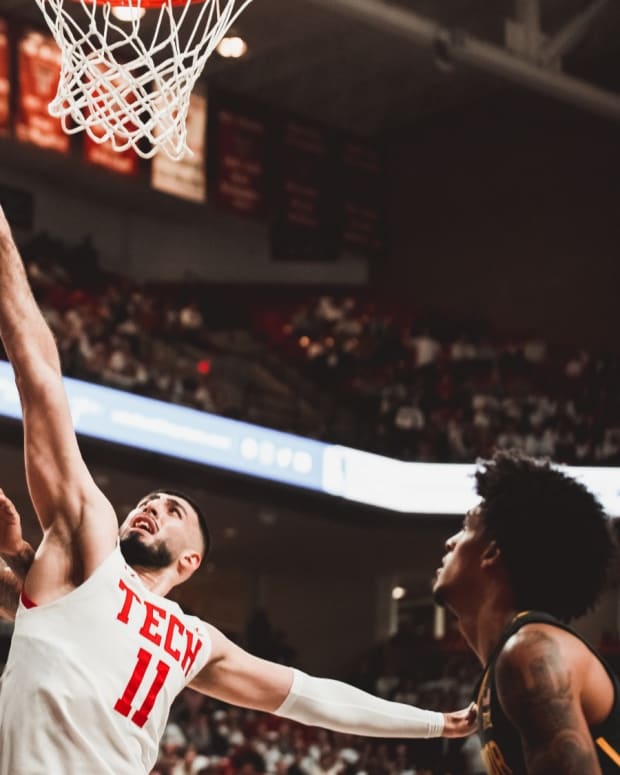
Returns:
(235,676)
(76,517)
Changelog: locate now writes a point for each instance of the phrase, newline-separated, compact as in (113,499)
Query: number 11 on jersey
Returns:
(123,705)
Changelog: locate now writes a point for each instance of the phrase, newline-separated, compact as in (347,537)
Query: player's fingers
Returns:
(7,507)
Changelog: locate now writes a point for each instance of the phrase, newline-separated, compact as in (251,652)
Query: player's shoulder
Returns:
(540,646)
(221,645)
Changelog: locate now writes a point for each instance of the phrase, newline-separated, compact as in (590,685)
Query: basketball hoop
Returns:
(129,82)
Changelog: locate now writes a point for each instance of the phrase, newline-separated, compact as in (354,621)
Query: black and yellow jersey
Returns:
(501,745)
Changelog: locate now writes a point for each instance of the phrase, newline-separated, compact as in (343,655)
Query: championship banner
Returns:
(240,159)
(39,72)
(186,178)
(5,81)
(103,154)
(304,226)
(363,227)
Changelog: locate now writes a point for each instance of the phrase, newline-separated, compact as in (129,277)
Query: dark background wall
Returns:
(509,210)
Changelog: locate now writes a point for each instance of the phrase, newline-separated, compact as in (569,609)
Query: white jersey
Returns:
(90,677)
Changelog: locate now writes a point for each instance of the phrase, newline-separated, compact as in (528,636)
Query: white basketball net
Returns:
(130,82)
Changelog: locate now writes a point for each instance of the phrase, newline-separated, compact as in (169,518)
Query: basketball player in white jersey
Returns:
(98,653)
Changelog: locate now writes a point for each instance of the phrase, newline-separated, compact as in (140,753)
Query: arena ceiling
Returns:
(371,66)
(375,66)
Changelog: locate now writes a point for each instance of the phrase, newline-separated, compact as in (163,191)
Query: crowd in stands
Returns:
(345,369)
(432,391)
(157,341)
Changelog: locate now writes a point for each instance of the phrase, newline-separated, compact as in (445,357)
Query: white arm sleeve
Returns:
(342,708)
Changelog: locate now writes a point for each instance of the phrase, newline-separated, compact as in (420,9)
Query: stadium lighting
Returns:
(232,47)
(127,13)
(398,593)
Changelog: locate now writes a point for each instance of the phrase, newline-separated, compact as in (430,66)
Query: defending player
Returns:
(532,556)
(98,653)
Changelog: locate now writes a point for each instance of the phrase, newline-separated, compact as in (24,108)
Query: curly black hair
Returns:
(557,544)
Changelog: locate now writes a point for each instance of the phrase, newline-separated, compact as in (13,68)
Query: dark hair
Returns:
(249,756)
(557,544)
(202,520)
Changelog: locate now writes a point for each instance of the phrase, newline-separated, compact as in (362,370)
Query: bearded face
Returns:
(138,553)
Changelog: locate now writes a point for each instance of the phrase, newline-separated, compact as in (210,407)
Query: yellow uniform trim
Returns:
(611,752)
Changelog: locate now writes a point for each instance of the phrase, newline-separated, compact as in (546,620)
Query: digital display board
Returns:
(363,217)
(305,219)
(241,148)
(252,450)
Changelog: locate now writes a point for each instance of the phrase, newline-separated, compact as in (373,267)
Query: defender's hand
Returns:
(461,723)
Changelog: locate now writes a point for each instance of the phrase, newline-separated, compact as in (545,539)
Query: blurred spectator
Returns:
(348,368)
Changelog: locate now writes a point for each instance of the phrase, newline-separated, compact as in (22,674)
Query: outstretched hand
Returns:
(461,723)
(12,542)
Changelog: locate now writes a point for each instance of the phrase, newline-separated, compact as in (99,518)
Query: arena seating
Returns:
(347,369)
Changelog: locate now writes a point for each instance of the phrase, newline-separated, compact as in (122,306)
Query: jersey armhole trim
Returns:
(607,749)
(26,601)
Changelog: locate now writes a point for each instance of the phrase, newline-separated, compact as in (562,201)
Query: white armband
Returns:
(342,708)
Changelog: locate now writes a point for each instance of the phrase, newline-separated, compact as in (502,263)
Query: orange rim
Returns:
(144,3)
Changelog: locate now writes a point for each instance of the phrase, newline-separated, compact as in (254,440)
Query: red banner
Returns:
(304,150)
(103,153)
(363,223)
(303,226)
(186,178)
(39,72)
(241,157)
(5,81)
